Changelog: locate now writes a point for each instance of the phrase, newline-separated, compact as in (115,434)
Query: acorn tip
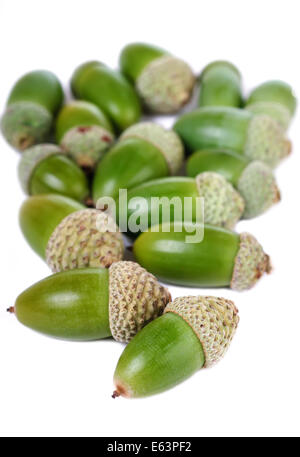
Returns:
(115,394)
(11,309)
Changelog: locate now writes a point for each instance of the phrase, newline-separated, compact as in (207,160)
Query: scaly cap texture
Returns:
(213,319)
(85,238)
(266,141)
(223,205)
(257,185)
(250,263)
(30,159)
(135,298)
(165,84)
(24,124)
(167,141)
(87,144)
(275,110)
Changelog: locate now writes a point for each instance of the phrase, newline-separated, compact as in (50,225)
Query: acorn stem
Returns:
(11,309)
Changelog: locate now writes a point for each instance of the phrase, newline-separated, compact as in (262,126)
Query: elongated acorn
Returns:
(109,90)
(68,236)
(257,137)
(202,256)
(33,101)
(193,333)
(254,181)
(84,132)
(164,83)
(93,303)
(275,99)
(45,169)
(145,151)
(178,198)
(220,85)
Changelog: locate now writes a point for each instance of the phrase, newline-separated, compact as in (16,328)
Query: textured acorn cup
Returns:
(254,181)
(145,151)
(222,204)
(193,333)
(220,85)
(93,303)
(45,169)
(164,83)
(109,90)
(86,238)
(220,259)
(257,137)
(32,103)
(84,132)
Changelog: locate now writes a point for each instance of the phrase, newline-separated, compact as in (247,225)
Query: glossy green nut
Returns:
(220,85)
(276,111)
(163,82)
(178,198)
(220,259)
(257,137)
(45,169)
(254,181)
(32,103)
(93,303)
(86,238)
(193,333)
(40,215)
(110,91)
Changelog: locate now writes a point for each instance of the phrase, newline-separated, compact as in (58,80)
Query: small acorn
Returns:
(254,181)
(220,258)
(45,169)
(164,83)
(275,99)
(68,236)
(193,333)
(93,303)
(257,137)
(145,151)
(33,101)
(220,85)
(223,206)
(84,132)
(108,90)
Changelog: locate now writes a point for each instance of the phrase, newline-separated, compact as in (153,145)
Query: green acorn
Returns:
(45,169)
(193,333)
(254,181)
(223,206)
(109,90)
(275,99)
(68,236)
(33,101)
(221,259)
(145,151)
(93,303)
(84,132)
(257,137)
(220,85)
(164,83)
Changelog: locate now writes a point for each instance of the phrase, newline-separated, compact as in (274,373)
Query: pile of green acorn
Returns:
(87,149)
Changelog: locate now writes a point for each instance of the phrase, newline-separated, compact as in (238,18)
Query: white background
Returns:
(57,388)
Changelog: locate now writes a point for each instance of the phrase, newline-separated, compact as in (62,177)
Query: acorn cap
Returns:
(250,263)
(165,84)
(276,111)
(257,185)
(213,319)
(266,141)
(85,238)
(167,141)
(86,144)
(223,205)
(24,124)
(30,159)
(135,299)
